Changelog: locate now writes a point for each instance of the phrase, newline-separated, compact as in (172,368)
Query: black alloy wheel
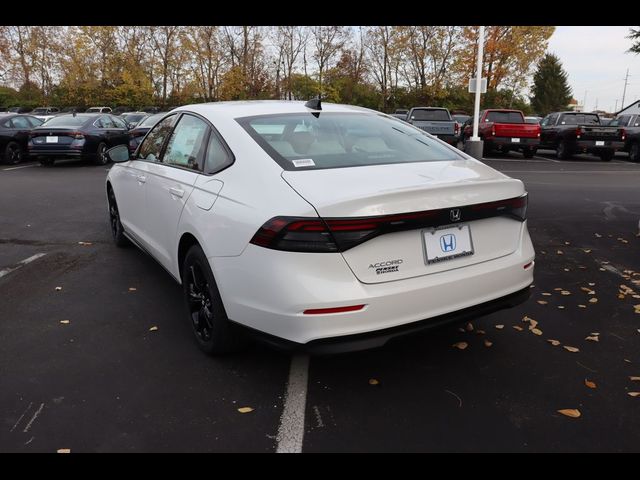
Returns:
(213,331)
(114,220)
(13,153)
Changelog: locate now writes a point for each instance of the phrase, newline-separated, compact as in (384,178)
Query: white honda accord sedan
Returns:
(322,226)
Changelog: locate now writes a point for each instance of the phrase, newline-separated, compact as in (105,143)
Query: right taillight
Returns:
(321,235)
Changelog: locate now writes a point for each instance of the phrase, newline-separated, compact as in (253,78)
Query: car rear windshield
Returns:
(425,114)
(335,140)
(151,121)
(579,119)
(65,121)
(134,117)
(505,117)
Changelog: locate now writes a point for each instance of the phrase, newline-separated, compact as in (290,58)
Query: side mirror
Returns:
(119,154)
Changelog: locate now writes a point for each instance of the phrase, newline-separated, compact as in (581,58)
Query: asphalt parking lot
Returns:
(83,369)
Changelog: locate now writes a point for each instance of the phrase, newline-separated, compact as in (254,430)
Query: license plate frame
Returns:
(599,143)
(515,140)
(52,139)
(432,246)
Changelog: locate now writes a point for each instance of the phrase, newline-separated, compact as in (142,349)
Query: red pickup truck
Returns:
(504,130)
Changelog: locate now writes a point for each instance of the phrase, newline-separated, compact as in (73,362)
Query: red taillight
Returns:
(456,128)
(296,234)
(578,132)
(324,311)
(493,131)
(623,133)
(76,135)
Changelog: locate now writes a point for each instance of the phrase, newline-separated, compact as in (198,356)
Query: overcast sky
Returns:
(595,59)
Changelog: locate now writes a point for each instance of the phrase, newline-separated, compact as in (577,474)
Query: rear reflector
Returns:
(528,265)
(303,234)
(324,311)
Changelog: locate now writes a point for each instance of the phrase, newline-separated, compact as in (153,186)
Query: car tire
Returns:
(562,151)
(215,334)
(13,153)
(101,154)
(117,230)
(634,152)
(607,155)
(47,162)
(528,152)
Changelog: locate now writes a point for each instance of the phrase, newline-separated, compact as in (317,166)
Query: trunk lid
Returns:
(413,187)
(52,137)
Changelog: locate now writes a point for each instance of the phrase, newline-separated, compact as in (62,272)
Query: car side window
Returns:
(119,123)
(218,157)
(20,122)
(35,122)
(107,122)
(186,145)
(151,146)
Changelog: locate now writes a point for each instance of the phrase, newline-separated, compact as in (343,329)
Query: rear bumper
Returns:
(590,145)
(67,153)
(508,142)
(364,341)
(267,290)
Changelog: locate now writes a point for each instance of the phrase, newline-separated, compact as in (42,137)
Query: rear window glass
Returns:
(335,140)
(430,115)
(151,121)
(66,121)
(580,119)
(505,117)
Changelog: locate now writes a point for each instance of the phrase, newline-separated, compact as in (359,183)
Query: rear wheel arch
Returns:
(187,240)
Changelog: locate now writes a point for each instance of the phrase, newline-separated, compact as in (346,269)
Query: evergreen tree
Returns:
(634,35)
(551,91)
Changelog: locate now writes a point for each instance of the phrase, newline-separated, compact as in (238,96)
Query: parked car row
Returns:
(84,136)
(504,130)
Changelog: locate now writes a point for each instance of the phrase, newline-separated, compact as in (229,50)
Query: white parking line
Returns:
(22,263)
(22,166)
(291,429)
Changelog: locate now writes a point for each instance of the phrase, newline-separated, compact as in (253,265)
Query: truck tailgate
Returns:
(590,132)
(519,130)
(436,127)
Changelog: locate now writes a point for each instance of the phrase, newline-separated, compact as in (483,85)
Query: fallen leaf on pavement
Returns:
(585,289)
(66,322)
(592,284)
(567,243)
(566,270)
(570,412)
(595,333)
(487,343)
(621,296)
(500,327)
(460,345)
(462,330)
(132,289)
(85,243)
(153,329)
(553,342)
(64,450)
(536,331)
(589,383)
(58,289)
(542,302)
(560,252)
(546,294)
(586,250)
(480,332)
(565,292)
(633,394)
(469,327)
(593,300)
(560,307)
(571,349)
(558,289)
(598,235)
(518,328)
(373,381)
(582,306)
(245,409)
(627,360)
(593,339)
(634,379)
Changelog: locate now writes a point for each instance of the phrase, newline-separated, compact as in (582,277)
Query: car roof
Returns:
(248,108)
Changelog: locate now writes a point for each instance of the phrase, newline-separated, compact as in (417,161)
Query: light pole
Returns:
(474,145)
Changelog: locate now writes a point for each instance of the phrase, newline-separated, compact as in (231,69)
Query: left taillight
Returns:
(303,234)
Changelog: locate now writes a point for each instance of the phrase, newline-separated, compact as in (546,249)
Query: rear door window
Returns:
(186,145)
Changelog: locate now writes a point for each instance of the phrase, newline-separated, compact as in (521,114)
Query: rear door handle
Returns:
(141,178)
(176,191)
